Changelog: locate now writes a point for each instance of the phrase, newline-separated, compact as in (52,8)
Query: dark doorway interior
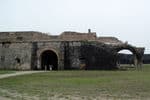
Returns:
(49,59)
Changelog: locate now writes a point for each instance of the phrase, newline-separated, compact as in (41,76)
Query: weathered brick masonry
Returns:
(70,50)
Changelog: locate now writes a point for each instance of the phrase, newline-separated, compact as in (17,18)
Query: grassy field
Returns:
(77,85)
(6,71)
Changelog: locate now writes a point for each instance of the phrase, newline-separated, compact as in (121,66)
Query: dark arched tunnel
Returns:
(49,59)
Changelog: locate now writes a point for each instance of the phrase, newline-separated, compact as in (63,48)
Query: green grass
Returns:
(6,71)
(116,84)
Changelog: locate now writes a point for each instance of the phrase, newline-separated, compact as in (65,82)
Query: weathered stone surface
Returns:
(15,56)
(72,50)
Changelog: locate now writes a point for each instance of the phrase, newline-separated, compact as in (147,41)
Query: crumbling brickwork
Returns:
(70,50)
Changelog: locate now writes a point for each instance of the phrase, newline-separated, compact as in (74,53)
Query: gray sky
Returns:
(128,20)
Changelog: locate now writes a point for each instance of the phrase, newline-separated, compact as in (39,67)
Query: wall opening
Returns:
(49,60)
(18,60)
(2,58)
(125,59)
(6,44)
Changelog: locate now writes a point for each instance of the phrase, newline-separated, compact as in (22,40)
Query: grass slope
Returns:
(6,71)
(115,84)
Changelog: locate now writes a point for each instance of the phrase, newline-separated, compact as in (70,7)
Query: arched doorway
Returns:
(49,60)
(137,53)
(126,59)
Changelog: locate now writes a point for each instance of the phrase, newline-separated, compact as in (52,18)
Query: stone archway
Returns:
(49,59)
(137,53)
(126,59)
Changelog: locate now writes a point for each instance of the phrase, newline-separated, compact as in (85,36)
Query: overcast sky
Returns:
(128,20)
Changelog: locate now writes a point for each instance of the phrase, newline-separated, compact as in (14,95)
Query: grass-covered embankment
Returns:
(114,84)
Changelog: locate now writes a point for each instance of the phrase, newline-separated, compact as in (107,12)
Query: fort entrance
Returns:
(49,60)
(31,50)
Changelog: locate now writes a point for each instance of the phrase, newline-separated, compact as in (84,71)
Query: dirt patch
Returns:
(13,95)
(3,98)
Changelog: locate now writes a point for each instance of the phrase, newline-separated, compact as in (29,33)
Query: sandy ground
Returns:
(2,98)
(57,96)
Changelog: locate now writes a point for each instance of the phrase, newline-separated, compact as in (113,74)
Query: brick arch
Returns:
(137,52)
(41,51)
